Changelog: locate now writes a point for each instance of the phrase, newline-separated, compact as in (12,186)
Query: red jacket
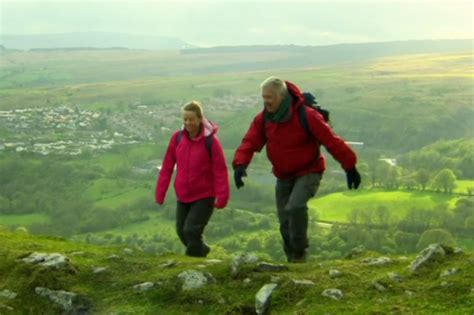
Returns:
(200,173)
(292,150)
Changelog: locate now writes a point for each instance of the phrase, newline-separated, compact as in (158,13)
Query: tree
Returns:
(445,180)
(435,236)
(382,215)
(423,177)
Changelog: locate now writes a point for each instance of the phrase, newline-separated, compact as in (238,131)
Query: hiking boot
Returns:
(205,250)
(299,258)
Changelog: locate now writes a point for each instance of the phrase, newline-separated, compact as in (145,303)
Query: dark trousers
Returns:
(191,219)
(292,196)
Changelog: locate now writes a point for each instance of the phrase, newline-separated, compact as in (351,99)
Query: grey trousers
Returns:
(292,196)
(191,219)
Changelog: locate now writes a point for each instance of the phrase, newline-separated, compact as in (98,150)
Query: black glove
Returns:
(239,172)
(353,178)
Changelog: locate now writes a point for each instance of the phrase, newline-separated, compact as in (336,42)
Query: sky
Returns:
(215,23)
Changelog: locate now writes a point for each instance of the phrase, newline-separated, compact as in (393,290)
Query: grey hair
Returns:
(276,84)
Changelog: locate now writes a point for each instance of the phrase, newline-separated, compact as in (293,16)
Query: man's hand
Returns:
(353,178)
(239,172)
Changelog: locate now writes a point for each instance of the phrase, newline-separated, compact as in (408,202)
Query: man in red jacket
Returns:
(294,151)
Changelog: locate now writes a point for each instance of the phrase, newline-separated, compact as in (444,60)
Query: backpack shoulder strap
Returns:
(304,119)
(209,141)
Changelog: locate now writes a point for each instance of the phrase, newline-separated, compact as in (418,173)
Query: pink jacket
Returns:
(200,173)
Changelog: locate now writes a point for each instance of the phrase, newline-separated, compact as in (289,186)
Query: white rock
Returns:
(449,272)
(54,260)
(62,298)
(128,251)
(426,256)
(193,279)
(379,286)
(145,286)
(380,261)
(409,293)
(8,294)
(395,276)
(99,269)
(240,260)
(263,298)
(334,273)
(334,294)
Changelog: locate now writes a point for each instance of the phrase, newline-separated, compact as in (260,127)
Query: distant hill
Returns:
(92,40)
(302,56)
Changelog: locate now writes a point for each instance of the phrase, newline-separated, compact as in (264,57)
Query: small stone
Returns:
(409,293)
(334,273)
(275,279)
(113,257)
(99,269)
(221,301)
(200,302)
(169,264)
(356,251)
(267,267)
(380,300)
(3,306)
(77,254)
(449,272)
(304,283)
(334,294)
(193,279)
(240,260)
(247,280)
(301,302)
(431,253)
(21,230)
(128,251)
(263,298)
(8,294)
(395,276)
(380,261)
(379,286)
(145,286)
(458,250)
(63,298)
(446,284)
(214,261)
(54,260)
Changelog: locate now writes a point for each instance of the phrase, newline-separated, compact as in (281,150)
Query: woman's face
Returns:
(191,122)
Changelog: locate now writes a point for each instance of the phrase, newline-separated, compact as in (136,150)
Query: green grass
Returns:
(112,292)
(336,207)
(462,185)
(23,219)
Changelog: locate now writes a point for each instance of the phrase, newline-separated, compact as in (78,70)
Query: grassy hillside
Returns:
(111,291)
(337,207)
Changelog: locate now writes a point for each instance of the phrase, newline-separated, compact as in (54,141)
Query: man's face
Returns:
(272,99)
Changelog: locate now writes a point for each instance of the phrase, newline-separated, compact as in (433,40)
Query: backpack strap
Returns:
(304,120)
(208,140)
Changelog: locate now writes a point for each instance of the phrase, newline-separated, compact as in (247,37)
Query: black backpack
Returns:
(208,139)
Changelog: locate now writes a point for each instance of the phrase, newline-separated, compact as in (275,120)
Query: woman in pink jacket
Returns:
(201,182)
